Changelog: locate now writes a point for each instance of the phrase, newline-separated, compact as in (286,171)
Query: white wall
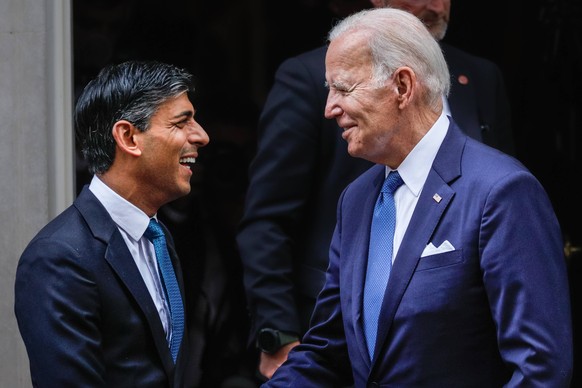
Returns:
(36,147)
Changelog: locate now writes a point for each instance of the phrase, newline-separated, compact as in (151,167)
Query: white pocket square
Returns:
(430,249)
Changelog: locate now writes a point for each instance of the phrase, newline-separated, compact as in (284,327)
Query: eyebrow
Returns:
(339,85)
(186,113)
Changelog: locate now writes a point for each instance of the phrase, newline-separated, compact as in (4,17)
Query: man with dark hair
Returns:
(99,295)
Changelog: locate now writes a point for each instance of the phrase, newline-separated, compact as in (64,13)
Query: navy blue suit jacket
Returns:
(493,312)
(84,312)
(301,167)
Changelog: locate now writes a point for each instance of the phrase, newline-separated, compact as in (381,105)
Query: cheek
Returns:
(163,158)
(356,107)
(171,146)
(375,125)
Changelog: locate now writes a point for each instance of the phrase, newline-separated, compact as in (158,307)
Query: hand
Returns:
(269,363)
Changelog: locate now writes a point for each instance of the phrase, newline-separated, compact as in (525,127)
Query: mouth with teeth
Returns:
(187,162)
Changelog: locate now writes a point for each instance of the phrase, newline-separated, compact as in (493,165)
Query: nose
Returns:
(198,135)
(332,108)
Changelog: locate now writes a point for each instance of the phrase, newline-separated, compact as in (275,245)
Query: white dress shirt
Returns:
(414,170)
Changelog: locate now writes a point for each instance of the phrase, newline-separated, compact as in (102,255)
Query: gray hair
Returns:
(398,38)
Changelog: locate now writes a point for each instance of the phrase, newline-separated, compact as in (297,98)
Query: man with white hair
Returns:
(446,265)
(302,165)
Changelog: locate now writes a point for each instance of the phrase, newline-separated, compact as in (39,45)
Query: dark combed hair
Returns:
(131,91)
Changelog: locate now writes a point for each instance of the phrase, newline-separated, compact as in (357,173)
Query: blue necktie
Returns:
(155,234)
(379,257)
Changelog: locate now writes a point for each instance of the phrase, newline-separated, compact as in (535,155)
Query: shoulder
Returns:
(461,61)
(300,83)
(309,61)
(462,156)
(484,166)
(81,230)
(67,235)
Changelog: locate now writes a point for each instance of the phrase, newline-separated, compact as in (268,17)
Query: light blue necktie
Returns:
(379,257)
(155,234)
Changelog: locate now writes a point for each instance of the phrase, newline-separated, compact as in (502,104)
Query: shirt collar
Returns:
(415,167)
(126,215)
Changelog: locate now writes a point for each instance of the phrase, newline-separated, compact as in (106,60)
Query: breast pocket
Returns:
(440,260)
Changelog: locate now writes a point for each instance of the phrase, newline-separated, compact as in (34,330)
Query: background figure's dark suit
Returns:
(493,309)
(301,167)
(478,100)
(99,325)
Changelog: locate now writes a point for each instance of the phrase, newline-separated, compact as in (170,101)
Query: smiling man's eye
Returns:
(181,124)
(337,88)
(342,88)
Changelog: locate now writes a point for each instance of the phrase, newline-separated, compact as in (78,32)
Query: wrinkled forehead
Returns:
(348,54)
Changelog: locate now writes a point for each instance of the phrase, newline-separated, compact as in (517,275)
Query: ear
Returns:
(405,81)
(124,134)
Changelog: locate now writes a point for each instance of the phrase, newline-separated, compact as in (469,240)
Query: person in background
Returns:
(301,165)
(93,306)
(475,289)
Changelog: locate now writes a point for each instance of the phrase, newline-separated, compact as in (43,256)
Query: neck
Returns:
(129,190)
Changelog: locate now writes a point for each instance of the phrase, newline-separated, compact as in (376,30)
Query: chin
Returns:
(354,152)
(185,190)
(180,191)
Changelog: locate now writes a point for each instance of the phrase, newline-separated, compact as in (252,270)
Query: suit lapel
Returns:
(121,261)
(422,224)
(123,264)
(426,216)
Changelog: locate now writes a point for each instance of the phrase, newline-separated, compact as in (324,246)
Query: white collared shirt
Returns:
(132,223)
(414,170)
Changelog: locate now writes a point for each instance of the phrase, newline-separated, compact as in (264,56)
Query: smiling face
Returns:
(367,112)
(168,148)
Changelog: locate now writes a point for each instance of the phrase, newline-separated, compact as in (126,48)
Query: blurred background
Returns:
(234,47)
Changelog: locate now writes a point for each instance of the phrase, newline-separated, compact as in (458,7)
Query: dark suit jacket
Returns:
(84,312)
(492,312)
(301,167)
